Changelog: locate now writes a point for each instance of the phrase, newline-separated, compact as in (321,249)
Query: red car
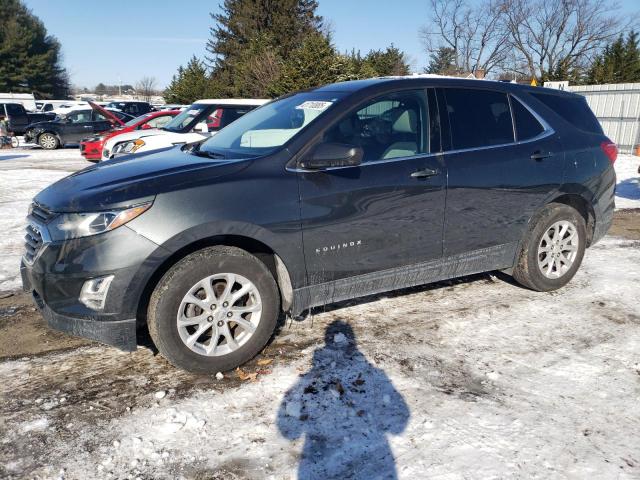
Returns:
(91,148)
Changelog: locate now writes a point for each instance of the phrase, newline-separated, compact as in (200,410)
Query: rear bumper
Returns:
(91,150)
(604,206)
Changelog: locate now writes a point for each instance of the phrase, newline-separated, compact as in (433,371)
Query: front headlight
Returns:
(76,225)
(129,147)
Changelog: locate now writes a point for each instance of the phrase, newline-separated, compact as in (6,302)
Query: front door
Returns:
(388,212)
(78,126)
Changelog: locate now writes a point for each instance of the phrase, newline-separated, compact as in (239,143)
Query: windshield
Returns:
(188,118)
(136,120)
(267,128)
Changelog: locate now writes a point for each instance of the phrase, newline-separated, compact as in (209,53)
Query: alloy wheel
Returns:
(558,249)
(219,314)
(48,141)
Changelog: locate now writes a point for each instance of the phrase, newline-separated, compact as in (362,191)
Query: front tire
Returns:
(48,141)
(552,249)
(214,310)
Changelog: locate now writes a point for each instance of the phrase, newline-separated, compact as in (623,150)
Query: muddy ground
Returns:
(498,381)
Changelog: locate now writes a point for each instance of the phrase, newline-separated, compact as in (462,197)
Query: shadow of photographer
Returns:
(345,408)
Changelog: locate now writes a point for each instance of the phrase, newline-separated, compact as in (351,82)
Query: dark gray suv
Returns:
(333,193)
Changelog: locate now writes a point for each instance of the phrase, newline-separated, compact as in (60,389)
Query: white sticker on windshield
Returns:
(314,105)
(193,112)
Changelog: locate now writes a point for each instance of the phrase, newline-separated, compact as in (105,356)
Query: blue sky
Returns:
(105,41)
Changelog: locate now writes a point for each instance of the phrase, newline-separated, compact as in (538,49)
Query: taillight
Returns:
(610,149)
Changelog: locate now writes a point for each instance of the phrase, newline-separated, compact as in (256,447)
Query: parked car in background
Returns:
(131,107)
(19,118)
(91,148)
(57,105)
(343,191)
(74,126)
(194,124)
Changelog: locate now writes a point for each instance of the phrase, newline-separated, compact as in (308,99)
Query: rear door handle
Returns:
(539,155)
(425,173)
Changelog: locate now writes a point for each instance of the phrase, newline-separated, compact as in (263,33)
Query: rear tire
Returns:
(552,249)
(48,141)
(195,302)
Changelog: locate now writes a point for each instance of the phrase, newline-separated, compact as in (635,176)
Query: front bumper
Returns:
(59,270)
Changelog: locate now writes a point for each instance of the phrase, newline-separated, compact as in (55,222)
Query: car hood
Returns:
(113,120)
(131,180)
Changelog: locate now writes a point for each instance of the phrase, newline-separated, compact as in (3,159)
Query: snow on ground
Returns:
(24,172)
(628,188)
(468,379)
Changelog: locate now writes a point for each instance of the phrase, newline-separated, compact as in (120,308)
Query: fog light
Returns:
(94,292)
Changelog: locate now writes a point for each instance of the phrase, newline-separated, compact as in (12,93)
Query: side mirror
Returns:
(146,126)
(201,127)
(330,155)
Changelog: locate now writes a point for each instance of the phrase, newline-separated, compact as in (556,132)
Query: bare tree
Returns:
(145,88)
(555,36)
(477,33)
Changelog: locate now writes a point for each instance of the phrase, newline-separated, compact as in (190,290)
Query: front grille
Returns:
(32,243)
(40,213)
(36,234)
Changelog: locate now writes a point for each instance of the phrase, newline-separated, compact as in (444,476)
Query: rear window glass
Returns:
(478,118)
(527,126)
(574,110)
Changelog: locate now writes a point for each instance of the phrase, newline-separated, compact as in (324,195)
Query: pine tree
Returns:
(30,59)
(619,62)
(286,22)
(189,84)
(391,61)
(442,62)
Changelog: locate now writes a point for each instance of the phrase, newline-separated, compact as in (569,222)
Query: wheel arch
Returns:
(584,207)
(260,250)
(50,132)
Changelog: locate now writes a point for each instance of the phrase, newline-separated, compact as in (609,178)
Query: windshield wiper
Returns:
(203,153)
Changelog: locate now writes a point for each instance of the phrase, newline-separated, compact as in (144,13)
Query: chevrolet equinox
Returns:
(328,194)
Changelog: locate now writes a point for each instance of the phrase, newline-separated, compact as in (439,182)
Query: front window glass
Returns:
(269,127)
(388,127)
(79,116)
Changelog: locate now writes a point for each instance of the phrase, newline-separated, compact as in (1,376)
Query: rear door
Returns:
(384,213)
(503,162)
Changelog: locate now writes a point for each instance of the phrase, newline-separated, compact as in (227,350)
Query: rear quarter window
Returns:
(574,110)
(527,126)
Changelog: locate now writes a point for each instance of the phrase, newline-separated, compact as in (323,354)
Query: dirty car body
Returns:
(422,202)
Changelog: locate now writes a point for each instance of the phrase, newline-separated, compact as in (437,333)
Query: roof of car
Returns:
(434,80)
(233,101)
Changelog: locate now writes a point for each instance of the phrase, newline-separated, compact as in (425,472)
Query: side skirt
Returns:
(477,261)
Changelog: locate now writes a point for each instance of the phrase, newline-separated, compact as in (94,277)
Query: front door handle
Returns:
(425,173)
(540,155)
